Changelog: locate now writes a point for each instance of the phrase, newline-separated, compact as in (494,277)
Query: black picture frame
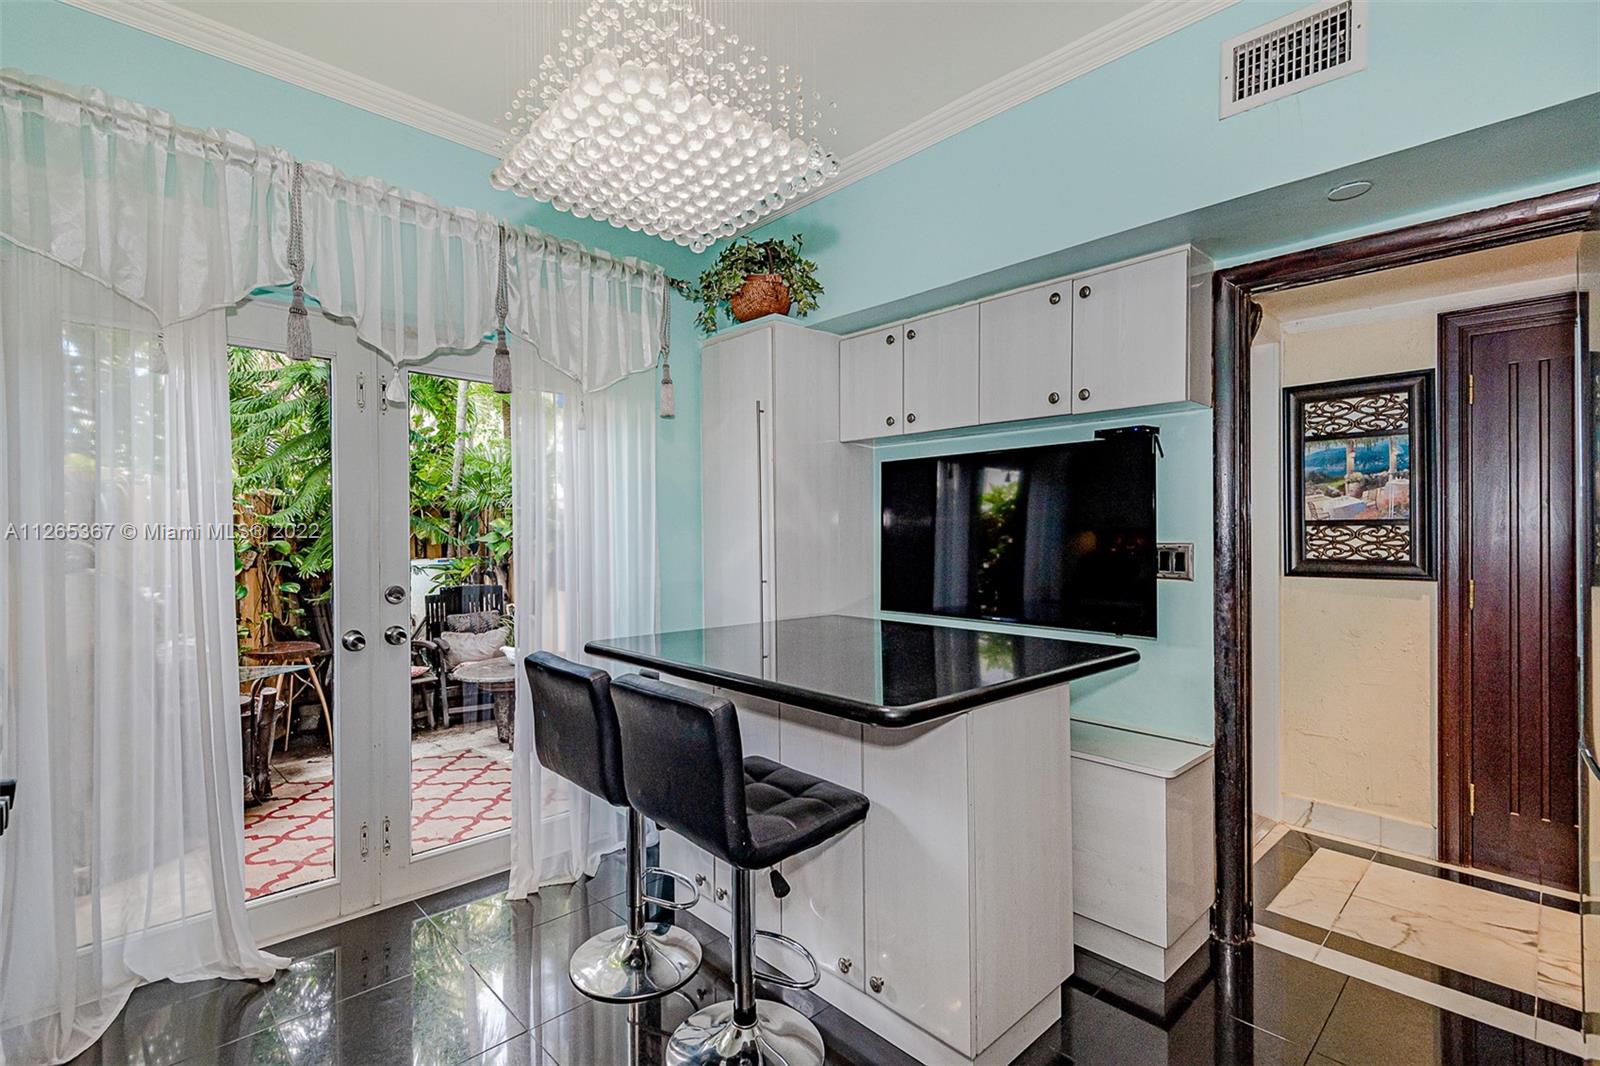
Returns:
(1335,532)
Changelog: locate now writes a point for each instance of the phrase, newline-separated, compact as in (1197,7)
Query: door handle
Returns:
(395,635)
(353,640)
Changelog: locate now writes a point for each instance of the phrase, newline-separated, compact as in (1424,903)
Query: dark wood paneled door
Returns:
(1509,669)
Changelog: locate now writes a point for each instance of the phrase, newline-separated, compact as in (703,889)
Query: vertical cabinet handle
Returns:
(761,543)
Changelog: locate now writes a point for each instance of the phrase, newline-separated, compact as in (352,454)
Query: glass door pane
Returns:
(463,668)
(282,422)
(304,435)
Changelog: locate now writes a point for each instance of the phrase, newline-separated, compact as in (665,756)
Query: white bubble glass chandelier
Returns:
(651,116)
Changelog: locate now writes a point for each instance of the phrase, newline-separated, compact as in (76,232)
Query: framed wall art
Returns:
(1359,477)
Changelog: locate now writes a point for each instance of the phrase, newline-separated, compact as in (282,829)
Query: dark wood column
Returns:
(1230,917)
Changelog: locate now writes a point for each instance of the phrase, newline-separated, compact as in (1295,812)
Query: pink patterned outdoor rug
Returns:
(455,796)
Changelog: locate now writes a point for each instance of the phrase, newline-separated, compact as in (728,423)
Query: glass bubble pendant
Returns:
(662,123)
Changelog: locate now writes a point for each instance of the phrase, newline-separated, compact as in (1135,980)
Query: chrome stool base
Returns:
(781,1036)
(617,968)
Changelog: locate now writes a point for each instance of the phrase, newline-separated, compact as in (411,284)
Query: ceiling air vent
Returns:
(1311,46)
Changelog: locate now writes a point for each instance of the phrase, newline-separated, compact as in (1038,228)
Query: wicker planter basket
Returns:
(761,294)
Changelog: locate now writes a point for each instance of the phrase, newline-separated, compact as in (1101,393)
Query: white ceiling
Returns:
(903,73)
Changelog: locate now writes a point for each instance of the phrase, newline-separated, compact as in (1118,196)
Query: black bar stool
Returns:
(576,735)
(685,769)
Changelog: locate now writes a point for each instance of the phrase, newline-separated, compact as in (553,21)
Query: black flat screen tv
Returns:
(1061,536)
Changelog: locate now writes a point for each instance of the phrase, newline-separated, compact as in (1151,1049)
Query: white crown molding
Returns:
(184,26)
(1139,27)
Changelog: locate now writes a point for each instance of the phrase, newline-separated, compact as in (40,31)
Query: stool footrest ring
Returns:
(671,904)
(784,980)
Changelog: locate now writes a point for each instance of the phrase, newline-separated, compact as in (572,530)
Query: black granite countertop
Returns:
(875,671)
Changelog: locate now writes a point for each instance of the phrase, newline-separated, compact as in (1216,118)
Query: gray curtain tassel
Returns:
(299,344)
(502,306)
(669,399)
(158,353)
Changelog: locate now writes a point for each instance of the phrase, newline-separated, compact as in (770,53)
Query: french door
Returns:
(407,788)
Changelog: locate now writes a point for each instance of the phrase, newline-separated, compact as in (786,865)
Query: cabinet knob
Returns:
(888,338)
(911,334)
(911,417)
(844,964)
(1083,394)
(889,421)
(1055,397)
(722,893)
(876,984)
(1055,298)
(1083,293)
(700,879)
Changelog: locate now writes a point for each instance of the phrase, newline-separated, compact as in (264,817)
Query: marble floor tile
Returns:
(1468,930)
(1560,969)
(1318,891)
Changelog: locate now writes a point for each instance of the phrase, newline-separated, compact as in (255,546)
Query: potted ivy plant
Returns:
(754,278)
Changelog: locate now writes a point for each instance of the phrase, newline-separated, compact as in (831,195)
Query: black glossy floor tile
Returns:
(1094,1031)
(359,953)
(1287,997)
(436,1014)
(628,1035)
(521,956)
(1374,1025)
(168,1022)
(469,976)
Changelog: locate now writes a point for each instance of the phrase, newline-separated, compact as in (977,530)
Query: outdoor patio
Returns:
(460,789)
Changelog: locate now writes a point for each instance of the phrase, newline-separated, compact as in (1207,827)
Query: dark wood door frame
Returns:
(1455,331)
(1233,321)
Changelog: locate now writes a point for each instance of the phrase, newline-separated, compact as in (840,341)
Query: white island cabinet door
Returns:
(941,374)
(736,470)
(1130,335)
(824,909)
(1025,354)
(918,876)
(871,398)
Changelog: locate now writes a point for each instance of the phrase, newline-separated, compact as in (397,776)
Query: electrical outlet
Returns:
(1175,562)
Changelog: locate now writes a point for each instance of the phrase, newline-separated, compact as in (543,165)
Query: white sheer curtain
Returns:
(583,470)
(126,234)
(118,672)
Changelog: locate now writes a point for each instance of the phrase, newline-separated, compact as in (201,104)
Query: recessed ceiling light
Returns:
(1348,190)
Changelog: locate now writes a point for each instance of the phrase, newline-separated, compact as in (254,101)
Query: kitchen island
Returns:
(944,923)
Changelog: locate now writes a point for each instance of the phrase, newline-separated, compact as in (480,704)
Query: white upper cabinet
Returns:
(941,371)
(1114,339)
(1025,354)
(871,396)
(1131,336)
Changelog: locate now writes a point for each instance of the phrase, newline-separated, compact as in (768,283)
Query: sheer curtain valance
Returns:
(101,185)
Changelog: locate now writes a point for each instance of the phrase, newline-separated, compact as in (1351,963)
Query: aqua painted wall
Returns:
(72,46)
(1139,140)
(1169,690)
